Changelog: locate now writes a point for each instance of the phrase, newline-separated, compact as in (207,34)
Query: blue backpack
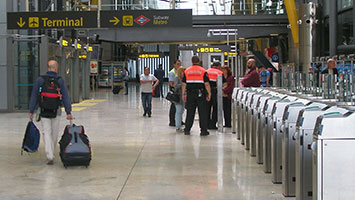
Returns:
(31,140)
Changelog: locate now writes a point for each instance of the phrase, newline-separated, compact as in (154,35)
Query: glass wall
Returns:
(345,28)
(26,71)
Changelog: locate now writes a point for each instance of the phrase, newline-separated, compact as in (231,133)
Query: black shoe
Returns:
(144,114)
(149,115)
(186,132)
(227,126)
(126,94)
(212,128)
(182,123)
(172,124)
(204,133)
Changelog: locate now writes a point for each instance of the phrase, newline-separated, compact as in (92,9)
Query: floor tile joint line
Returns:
(134,165)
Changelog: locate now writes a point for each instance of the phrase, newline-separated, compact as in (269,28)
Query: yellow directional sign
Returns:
(33,22)
(21,23)
(115,21)
(127,20)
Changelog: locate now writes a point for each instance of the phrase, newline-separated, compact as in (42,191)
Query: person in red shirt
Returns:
(251,78)
(227,96)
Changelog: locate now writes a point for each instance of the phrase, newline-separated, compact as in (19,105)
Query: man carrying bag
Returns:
(50,92)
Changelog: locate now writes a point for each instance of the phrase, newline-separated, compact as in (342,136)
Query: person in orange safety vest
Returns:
(196,92)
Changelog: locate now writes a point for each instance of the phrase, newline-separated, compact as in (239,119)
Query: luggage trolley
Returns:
(304,134)
(276,144)
(288,130)
(333,153)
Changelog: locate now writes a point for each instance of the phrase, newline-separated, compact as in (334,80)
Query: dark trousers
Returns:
(172,112)
(194,101)
(147,103)
(227,111)
(212,105)
(126,86)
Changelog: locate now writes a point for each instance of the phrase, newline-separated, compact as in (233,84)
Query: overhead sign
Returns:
(49,20)
(212,49)
(146,18)
(150,55)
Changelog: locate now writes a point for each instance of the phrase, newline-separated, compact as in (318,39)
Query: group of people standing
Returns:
(197,88)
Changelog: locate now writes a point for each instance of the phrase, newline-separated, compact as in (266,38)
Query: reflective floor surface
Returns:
(134,158)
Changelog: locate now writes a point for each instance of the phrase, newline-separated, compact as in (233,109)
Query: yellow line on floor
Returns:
(94,100)
(76,109)
(83,104)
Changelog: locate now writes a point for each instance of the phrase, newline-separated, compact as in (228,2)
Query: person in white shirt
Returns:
(147,88)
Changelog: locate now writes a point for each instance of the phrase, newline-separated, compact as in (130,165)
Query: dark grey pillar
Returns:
(43,55)
(353,23)
(332,27)
(173,54)
(75,79)
(86,78)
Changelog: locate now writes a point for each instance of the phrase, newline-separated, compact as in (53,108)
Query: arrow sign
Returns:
(21,23)
(115,21)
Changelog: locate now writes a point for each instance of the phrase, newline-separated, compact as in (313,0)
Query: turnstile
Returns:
(288,130)
(267,132)
(304,135)
(333,157)
(247,118)
(239,111)
(254,120)
(234,110)
(276,145)
(260,127)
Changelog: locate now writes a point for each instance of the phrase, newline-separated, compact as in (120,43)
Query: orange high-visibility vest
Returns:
(194,74)
(213,74)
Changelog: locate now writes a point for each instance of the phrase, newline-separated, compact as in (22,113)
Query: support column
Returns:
(173,55)
(43,55)
(75,79)
(333,11)
(353,23)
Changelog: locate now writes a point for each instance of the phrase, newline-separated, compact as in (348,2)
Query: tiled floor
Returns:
(134,157)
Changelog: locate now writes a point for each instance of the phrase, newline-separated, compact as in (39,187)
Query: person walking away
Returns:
(264,76)
(50,92)
(227,96)
(172,75)
(126,78)
(251,78)
(147,87)
(213,73)
(159,74)
(196,92)
(180,106)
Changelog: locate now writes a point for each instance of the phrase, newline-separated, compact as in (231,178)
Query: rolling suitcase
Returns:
(116,89)
(75,147)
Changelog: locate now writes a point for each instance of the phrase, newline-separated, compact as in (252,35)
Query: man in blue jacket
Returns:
(50,124)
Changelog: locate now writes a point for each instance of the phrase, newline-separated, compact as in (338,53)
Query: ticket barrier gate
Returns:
(261,128)
(234,110)
(267,132)
(276,145)
(239,111)
(243,116)
(247,118)
(304,135)
(287,130)
(254,121)
(333,156)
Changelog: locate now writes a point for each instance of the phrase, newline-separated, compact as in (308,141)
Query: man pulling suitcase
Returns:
(50,92)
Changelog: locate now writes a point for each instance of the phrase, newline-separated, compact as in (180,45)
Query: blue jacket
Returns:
(63,90)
